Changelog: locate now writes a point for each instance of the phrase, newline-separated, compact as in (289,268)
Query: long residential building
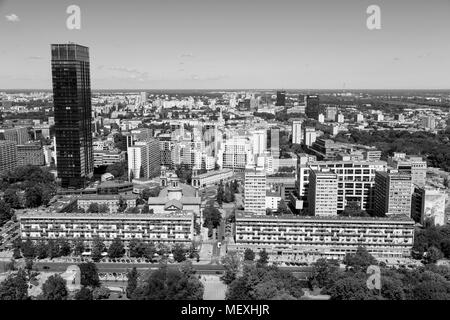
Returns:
(166,229)
(290,237)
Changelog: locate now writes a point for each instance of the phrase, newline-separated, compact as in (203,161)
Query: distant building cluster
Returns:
(305,192)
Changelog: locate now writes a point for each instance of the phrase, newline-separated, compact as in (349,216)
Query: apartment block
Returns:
(323,193)
(288,238)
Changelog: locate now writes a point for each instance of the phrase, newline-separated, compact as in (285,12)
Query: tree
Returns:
(282,208)
(54,288)
(432,290)
(11,198)
(231,263)
(269,212)
(150,193)
(249,255)
(212,217)
(433,255)
(179,254)
(28,249)
(28,265)
(446,182)
(187,268)
(64,248)
(89,275)
(15,287)
(33,197)
(42,250)
(103,208)
(351,287)
(101,293)
(323,273)
(132,210)
(263,258)
(266,283)
(149,250)
(6,212)
(136,248)
(93,208)
(145,209)
(97,249)
(52,249)
(169,284)
(116,249)
(118,169)
(78,247)
(84,294)
(353,209)
(16,253)
(445,248)
(359,260)
(220,194)
(132,277)
(122,205)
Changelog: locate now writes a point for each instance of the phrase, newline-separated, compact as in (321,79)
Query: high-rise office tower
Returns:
(392,193)
(297,131)
(281,98)
(72,104)
(275,142)
(255,190)
(8,156)
(323,193)
(312,106)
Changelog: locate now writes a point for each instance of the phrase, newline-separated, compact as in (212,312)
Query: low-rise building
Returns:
(111,200)
(211,178)
(106,158)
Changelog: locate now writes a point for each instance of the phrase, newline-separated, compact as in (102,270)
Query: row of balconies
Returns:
(321,243)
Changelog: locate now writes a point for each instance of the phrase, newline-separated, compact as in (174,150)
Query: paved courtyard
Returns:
(214,288)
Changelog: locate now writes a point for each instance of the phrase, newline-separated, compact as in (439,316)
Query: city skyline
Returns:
(210,45)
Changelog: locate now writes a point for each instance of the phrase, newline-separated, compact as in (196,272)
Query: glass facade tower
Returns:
(72,105)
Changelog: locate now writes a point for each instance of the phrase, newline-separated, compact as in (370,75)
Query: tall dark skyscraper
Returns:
(281,98)
(72,104)
(312,106)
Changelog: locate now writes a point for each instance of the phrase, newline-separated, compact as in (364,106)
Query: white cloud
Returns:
(129,73)
(12,17)
(35,58)
(186,55)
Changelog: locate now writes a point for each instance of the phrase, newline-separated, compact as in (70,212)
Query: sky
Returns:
(232,44)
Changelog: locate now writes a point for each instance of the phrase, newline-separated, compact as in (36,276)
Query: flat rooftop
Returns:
(252,216)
